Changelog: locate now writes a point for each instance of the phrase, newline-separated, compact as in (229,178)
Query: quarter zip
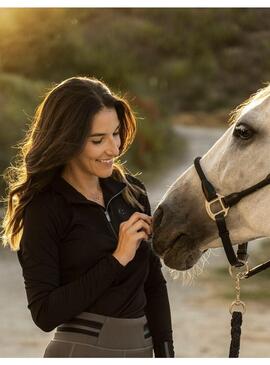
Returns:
(109,221)
(107,213)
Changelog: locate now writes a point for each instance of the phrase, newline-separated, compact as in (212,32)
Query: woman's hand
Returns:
(131,232)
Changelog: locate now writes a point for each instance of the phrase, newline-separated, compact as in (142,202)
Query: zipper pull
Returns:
(110,223)
(107,216)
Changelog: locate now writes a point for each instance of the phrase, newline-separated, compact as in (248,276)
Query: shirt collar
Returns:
(109,185)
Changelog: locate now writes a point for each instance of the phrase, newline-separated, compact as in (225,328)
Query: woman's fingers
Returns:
(141,225)
(138,215)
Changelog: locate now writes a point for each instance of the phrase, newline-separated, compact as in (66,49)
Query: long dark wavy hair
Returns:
(57,132)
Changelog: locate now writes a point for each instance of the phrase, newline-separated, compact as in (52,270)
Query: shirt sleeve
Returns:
(157,309)
(50,303)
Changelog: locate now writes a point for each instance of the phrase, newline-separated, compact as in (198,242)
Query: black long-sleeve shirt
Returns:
(68,267)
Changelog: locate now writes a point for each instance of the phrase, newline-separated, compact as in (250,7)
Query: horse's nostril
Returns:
(158,217)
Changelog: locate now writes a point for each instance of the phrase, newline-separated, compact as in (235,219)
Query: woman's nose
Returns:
(113,149)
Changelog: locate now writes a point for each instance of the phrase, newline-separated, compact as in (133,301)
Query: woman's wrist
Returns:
(123,261)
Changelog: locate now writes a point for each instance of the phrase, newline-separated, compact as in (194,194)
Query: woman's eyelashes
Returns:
(98,142)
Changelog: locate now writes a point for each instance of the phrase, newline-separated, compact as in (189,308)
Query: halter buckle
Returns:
(223,209)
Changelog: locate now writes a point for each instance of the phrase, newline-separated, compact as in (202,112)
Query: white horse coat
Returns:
(238,160)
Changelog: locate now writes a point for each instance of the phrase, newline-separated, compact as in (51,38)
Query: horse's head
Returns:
(238,160)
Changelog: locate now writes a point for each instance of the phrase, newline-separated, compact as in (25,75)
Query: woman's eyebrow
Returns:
(102,134)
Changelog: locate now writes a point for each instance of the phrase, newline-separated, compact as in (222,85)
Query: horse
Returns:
(182,229)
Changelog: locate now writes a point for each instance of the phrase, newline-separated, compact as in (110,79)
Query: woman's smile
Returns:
(107,163)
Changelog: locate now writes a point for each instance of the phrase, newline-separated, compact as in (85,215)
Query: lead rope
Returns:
(237,309)
(236,323)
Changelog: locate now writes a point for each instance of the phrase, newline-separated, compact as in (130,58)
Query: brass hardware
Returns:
(238,273)
(241,271)
(223,209)
(236,305)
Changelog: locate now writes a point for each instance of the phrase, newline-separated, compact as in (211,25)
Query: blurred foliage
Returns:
(189,59)
(18,99)
(169,60)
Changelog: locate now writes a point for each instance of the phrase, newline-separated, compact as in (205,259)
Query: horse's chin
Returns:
(181,257)
(186,262)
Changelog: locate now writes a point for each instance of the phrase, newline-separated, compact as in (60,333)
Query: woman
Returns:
(81,227)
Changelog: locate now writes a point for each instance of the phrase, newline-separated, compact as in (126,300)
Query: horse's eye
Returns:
(243,131)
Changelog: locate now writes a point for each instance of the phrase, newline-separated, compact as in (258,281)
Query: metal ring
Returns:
(238,303)
(240,271)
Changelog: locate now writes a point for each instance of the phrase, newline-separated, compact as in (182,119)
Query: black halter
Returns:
(225,202)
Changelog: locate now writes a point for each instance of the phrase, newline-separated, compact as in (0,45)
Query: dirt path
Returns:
(200,318)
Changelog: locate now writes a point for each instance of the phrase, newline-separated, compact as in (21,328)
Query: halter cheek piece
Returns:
(225,203)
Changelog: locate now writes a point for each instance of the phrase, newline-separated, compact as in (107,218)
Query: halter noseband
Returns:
(225,203)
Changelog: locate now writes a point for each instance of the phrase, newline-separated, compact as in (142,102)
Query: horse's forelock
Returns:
(240,109)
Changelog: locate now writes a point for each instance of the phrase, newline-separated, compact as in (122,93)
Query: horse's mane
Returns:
(261,94)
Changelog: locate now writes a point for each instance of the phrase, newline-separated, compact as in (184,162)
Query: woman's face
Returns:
(101,146)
